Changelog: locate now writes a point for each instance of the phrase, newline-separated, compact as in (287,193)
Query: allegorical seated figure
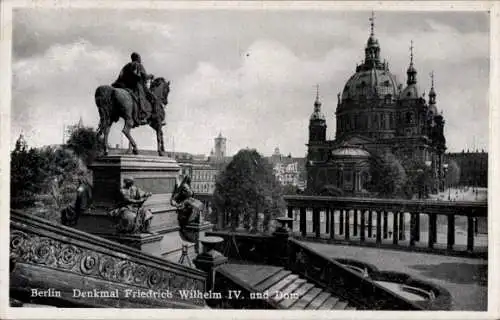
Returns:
(188,208)
(131,215)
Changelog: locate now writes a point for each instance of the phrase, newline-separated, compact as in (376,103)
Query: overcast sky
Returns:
(248,74)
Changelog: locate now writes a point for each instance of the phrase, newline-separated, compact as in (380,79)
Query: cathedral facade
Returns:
(375,117)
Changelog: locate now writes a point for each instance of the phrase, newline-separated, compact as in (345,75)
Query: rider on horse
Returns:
(133,76)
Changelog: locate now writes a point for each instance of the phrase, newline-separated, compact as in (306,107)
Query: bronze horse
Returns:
(115,103)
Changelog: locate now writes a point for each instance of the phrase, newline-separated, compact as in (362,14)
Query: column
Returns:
(341,222)
(470,233)
(379,229)
(413,229)
(363,226)
(386,214)
(401,225)
(303,222)
(327,218)
(347,227)
(395,232)
(316,222)
(355,223)
(370,223)
(417,226)
(451,232)
(432,230)
(290,212)
(331,213)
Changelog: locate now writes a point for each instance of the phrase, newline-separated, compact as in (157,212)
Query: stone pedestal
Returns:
(152,174)
(210,258)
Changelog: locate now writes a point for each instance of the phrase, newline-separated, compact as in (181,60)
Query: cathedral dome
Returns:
(371,83)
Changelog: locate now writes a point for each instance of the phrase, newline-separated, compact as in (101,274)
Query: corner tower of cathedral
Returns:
(375,115)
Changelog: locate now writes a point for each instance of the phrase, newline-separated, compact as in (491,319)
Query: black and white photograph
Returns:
(319,157)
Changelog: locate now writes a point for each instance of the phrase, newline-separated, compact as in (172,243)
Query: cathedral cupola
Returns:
(317,122)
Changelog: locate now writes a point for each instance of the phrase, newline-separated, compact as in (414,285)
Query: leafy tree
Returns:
(290,189)
(453,174)
(388,176)
(420,181)
(44,175)
(85,144)
(246,188)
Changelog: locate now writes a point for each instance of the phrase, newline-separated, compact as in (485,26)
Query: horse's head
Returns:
(161,88)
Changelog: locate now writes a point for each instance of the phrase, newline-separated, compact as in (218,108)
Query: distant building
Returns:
(376,116)
(288,170)
(473,167)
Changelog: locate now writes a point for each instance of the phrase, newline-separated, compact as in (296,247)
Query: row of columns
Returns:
(381,225)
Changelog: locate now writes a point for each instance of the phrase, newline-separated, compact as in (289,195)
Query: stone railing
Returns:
(310,264)
(382,222)
(56,265)
(344,282)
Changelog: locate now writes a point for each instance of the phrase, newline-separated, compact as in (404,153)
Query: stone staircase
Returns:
(285,289)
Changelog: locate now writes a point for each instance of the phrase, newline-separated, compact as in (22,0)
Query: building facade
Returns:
(375,116)
(288,170)
(473,167)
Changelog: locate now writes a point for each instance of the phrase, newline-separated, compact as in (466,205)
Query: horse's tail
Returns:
(104,103)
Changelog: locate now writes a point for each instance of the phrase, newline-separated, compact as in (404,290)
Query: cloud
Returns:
(249,74)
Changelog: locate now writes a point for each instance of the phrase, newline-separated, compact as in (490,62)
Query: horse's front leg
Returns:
(126,131)
(159,140)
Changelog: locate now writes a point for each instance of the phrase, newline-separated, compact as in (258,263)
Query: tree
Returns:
(86,144)
(420,181)
(453,174)
(388,176)
(246,188)
(47,175)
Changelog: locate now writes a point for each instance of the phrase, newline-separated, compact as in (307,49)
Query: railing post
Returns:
(432,230)
(341,222)
(379,229)
(303,222)
(470,233)
(355,223)
(395,233)
(386,214)
(451,232)
(331,212)
(401,225)
(316,222)
(210,259)
(370,223)
(347,227)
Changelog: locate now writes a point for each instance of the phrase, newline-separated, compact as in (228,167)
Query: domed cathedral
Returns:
(376,116)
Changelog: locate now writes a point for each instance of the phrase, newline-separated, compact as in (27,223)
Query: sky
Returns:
(248,74)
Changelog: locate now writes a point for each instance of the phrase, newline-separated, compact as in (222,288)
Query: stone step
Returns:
(341,305)
(318,301)
(302,290)
(266,283)
(329,303)
(306,299)
(282,284)
(289,289)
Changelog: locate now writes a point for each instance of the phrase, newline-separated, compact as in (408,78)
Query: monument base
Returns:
(153,174)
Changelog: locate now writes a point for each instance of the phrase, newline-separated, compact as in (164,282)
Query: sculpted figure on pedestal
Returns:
(131,216)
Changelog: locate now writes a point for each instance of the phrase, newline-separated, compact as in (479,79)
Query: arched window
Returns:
(409,117)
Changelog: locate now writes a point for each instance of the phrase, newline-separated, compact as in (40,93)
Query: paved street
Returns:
(464,278)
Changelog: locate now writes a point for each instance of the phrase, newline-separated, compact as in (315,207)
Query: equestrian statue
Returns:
(130,98)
